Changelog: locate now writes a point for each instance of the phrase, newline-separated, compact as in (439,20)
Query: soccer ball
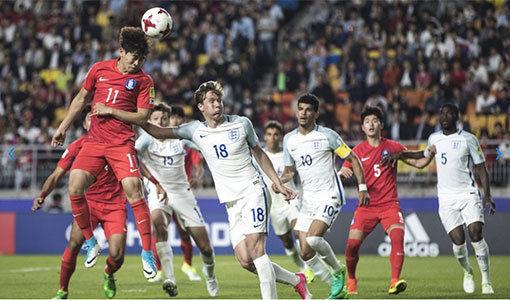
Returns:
(156,23)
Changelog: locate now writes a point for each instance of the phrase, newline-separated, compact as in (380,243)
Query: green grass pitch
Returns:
(24,276)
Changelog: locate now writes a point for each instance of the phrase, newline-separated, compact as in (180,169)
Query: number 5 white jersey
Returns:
(226,149)
(455,156)
(313,155)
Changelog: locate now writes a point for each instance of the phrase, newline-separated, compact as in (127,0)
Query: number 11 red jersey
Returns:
(381,180)
(120,91)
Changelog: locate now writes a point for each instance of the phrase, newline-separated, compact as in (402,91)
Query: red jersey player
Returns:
(123,95)
(384,206)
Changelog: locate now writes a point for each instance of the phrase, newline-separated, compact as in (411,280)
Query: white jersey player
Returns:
(283,213)
(165,160)
(460,203)
(227,143)
(310,151)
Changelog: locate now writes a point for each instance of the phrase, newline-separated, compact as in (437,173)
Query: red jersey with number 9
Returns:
(381,180)
(120,91)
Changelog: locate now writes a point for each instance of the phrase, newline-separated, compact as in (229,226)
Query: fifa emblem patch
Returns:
(385,152)
(130,84)
(456,145)
(234,135)
(316,145)
(152,93)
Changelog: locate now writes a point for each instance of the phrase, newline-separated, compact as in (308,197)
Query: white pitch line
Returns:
(33,269)
(134,291)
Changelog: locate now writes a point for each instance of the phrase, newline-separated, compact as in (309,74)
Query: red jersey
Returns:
(381,180)
(106,189)
(192,158)
(120,91)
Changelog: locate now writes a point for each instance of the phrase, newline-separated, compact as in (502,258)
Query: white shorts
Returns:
(319,206)
(248,215)
(180,202)
(459,210)
(282,216)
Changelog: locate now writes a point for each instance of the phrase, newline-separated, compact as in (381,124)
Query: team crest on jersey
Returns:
(456,145)
(385,152)
(130,84)
(176,148)
(316,145)
(234,135)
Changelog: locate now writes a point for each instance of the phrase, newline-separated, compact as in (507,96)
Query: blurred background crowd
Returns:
(408,56)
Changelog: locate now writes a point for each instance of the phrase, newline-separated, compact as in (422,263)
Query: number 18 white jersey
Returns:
(455,156)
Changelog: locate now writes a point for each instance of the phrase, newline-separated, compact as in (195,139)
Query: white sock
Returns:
(166,257)
(461,253)
(294,255)
(482,256)
(319,268)
(208,265)
(267,277)
(319,244)
(284,276)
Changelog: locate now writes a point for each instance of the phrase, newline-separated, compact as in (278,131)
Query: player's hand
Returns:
(432,151)
(288,193)
(58,138)
(100,109)
(345,173)
(162,196)
(487,201)
(391,159)
(38,202)
(363,198)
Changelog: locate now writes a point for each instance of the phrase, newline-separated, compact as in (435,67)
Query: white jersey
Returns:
(226,149)
(278,200)
(313,155)
(165,160)
(456,154)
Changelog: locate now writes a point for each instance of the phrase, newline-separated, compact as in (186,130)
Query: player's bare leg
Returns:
(482,255)
(460,251)
(354,242)
(201,238)
(315,239)
(396,234)
(117,248)
(79,182)
(293,251)
(134,193)
(313,260)
(187,252)
(160,222)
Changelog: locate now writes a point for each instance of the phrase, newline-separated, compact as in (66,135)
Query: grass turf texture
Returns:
(24,276)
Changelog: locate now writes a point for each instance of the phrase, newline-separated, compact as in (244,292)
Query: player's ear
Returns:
(122,51)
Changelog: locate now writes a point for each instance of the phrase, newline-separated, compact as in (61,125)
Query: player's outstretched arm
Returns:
(267,167)
(392,158)
(363,198)
(48,187)
(160,132)
(138,117)
(162,195)
(77,105)
(484,179)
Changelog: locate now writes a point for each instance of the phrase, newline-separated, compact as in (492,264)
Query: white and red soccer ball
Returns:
(156,23)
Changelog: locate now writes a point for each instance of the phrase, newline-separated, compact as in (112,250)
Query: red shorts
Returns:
(122,159)
(366,218)
(111,216)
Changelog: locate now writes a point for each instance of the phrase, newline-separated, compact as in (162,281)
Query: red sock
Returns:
(81,215)
(67,267)
(187,250)
(155,253)
(111,266)
(352,256)
(143,222)
(397,253)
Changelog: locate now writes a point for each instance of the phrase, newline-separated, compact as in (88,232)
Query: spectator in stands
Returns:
(485,102)
(422,77)
(435,100)
(391,74)
(503,102)
(56,206)
(480,74)
(458,74)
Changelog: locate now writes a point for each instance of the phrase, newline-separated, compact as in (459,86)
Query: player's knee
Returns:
(248,265)
(206,250)
(306,254)
(74,246)
(314,241)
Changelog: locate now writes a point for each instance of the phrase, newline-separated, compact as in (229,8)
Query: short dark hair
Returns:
(163,108)
(451,106)
(133,40)
(87,109)
(310,99)
(177,111)
(273,124)
(372,110)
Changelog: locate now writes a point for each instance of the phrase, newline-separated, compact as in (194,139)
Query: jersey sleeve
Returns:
(186,130)
(90,81)
(475,151)
(67,158)
(251,136)
(429,143)
(287,158)
(336,143)
(191,145)
(146,94)
(143,142)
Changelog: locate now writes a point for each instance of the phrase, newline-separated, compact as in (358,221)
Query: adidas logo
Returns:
(416,240)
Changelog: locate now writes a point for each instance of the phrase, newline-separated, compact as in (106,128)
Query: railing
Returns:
(34,163)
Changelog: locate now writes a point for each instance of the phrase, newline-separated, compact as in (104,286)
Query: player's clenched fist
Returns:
(100,109)
(58,138)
